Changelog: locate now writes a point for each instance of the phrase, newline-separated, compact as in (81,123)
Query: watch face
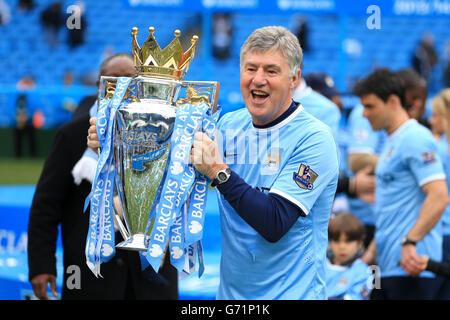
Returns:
(221,176)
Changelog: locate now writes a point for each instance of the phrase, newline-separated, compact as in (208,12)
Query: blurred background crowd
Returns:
(49,63)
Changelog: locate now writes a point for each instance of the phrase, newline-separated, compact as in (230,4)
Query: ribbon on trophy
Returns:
(100,242)
(181,188)
(194,213)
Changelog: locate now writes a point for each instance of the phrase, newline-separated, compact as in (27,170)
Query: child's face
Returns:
(437,122)
(344,249)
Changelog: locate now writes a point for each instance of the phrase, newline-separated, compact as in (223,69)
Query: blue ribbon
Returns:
(197,200)
(100,242)
(177,186)
(192,215)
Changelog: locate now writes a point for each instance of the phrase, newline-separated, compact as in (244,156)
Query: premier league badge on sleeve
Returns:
(305,177)
(429,157)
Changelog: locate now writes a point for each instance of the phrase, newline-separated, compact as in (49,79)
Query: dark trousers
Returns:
(407,288)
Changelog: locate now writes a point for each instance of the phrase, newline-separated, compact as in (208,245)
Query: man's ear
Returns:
(296,79)
(393,99)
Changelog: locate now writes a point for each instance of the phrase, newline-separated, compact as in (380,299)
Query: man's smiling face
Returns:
(266,85)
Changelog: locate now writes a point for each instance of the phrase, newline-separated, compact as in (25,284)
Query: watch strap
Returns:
(406,240)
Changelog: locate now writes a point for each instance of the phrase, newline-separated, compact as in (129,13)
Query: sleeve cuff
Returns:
(431,178)
(291,199)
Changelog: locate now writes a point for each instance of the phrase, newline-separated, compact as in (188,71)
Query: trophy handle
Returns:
(201,91)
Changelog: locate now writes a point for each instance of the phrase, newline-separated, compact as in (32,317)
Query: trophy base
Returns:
(134,243)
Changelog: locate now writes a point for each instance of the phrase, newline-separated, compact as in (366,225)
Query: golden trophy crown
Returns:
(170,62)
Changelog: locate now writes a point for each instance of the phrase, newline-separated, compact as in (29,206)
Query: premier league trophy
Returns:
(141,140)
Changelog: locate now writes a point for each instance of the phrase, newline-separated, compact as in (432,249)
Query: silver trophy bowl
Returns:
(143,129)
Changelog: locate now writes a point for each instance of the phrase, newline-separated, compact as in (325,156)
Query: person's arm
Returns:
(439,268)
(432,209)
(344,184)
(362,185)
(287,199)
(46,215)
(370,255)
(269,214)
(359,161)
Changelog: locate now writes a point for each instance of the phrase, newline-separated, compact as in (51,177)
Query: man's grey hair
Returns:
(275,38)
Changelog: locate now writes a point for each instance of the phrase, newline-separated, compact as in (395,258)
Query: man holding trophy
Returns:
(276,169)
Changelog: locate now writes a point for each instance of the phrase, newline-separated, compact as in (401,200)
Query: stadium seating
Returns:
(23,49)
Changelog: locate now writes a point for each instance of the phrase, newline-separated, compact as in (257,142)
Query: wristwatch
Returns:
(221,177)
(405,241)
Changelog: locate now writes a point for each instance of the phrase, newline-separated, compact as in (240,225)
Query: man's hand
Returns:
(92,138)
(370,255)
(205,155)
(365,185)
(411,262)
(39,284)
(424,261)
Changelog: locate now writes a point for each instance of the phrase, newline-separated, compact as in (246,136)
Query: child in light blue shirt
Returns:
(347,276)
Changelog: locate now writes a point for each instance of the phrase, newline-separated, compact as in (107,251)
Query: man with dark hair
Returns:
(411,192)
(415,94)
(112,66)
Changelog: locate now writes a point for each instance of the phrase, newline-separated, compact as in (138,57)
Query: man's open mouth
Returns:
(258,94)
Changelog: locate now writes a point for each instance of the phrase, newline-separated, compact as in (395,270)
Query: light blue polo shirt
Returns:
(363,139)
(445,158)
(408,161)
(319,106)
(296,159)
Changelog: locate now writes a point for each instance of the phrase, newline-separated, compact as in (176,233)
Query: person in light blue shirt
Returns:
(410,195)
(439,126)
(348,277)
(318,105)
(357,186)
(276,173)
(323,110)
(363,149)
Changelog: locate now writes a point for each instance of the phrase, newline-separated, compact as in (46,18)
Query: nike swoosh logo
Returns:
(227,155)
